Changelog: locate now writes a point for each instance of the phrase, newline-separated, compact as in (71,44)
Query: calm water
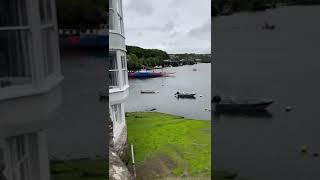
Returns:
(282,64)
(184,80)
(80,130)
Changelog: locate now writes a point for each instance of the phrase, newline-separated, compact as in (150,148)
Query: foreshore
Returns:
(170,146)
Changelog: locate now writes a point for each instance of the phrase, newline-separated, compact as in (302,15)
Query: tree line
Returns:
(139,57)
(224,7)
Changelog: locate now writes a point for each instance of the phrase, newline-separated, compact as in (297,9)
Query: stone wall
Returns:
(118,155)
(117,169)
(121,146)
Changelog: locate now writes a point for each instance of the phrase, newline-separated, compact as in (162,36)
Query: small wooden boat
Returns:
(267,26)
(147,92)
(185,95)
(241,105)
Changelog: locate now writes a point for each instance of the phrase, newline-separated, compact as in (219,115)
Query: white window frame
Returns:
(28,30)
(25,157)
(116,26)
(116,71)
(124,69)
(39,80)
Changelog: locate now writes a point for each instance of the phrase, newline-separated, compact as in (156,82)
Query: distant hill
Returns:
(202,58)
(138,57)
(226,7)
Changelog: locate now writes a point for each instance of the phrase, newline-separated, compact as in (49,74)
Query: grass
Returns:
(79,170)
(167,145)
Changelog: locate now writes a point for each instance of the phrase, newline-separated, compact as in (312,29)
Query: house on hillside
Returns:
(30,76)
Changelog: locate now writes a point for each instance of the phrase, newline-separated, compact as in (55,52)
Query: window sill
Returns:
(118,89)
(29,89)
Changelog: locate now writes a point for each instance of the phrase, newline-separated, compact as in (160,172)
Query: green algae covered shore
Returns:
(170,146)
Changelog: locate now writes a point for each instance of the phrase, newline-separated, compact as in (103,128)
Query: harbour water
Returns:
(185,79)
(282,64)
(79,130)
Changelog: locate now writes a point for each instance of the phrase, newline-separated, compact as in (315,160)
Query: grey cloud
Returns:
(176,3)
(167,27)
(143,7)
(201,32)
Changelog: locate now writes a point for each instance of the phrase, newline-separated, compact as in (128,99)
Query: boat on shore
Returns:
(232,104)
(185,95)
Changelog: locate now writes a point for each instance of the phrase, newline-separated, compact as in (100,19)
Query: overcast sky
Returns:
(175,26)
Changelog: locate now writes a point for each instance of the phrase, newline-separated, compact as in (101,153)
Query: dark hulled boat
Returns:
(241,105)
(185,95)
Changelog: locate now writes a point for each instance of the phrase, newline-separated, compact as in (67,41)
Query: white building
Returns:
(29,86)
(118,74)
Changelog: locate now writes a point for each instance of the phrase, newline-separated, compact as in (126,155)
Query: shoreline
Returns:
(267,7)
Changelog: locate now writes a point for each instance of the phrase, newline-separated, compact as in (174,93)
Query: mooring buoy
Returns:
(303,149)
(288,108)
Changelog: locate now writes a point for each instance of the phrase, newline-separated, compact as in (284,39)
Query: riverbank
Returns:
(169,146)
(222,8)
(79,170)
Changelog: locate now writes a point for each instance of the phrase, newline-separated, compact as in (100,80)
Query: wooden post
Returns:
(133,163)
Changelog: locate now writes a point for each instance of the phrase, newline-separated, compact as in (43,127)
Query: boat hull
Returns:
(219,107)
(145,74)
(189,96)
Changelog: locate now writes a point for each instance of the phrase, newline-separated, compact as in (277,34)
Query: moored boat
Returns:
(241,105)
(147,74)
(147,92)
(185,95)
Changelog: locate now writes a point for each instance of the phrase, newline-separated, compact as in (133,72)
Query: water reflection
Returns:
(263,114)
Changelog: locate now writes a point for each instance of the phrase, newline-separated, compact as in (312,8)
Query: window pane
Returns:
(113,61)
(49,10)
(111,20)
(45,11)
(118,24)
(47,40)
(125,76)
(111,3)
(14,58)
(13,13)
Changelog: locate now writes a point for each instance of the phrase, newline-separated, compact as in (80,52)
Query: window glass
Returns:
(14,58)
(45,11)
(111,3)
(47,40)
(111,19)
(118,24)
(20,157)
(116,111)
(113,70)
(13,13)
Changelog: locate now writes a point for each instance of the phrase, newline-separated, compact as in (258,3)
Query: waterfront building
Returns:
(30,75)
(118,74)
